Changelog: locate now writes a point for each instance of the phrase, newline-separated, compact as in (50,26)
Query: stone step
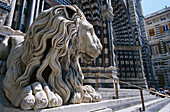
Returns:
(128,91)
(127,99)
(138,107)
(159,106)
(103,110)
(112,90)
(127,104)
(124,92)
(166,108)
(120,96)
(113,94)
(108,93)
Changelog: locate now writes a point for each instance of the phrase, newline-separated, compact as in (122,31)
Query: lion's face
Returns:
(90,46)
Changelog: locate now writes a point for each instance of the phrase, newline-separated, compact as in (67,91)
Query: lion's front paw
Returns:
(41,100)
(90,95)
(54,99)
(60,100)
(86,98)
(96,97)
(42,97)
(28,102)
(76,98)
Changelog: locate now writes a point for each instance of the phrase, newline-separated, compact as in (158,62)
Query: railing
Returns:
(140,89)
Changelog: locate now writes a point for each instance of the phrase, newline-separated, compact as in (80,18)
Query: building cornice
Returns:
(157,13)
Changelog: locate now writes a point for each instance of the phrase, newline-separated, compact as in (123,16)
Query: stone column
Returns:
(22,14)
(11,14)
(31,13)
(37,8)
(108,16)
(42,5)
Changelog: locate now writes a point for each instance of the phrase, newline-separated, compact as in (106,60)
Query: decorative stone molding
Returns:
(7,31)
(5,6)
(107,12)
(127,47)
(110,69)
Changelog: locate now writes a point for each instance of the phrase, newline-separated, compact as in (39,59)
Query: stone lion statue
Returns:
(43,67)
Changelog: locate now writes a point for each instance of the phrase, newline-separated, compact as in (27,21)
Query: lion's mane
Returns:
(48,53)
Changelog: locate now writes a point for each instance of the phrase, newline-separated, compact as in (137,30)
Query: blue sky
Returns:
(150,6)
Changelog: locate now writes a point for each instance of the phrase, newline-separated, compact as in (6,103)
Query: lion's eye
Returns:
(90,30)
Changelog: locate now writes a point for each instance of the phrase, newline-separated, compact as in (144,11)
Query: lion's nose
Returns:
(100,47)
(98,44)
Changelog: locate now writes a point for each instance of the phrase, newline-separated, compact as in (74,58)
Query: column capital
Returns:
(107,12)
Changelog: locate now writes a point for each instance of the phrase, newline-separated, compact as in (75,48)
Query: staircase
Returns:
(130,101)
(109,93)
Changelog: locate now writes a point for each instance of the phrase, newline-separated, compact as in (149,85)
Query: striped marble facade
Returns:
(145,50)
(127,43)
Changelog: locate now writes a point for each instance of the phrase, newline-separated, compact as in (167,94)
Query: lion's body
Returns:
(49,54)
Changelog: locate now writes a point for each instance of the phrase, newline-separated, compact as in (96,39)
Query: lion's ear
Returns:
(70,11)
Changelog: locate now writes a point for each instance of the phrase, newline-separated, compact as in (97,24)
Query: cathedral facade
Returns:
(116,23)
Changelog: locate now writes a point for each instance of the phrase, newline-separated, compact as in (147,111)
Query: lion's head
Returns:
(52,48)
